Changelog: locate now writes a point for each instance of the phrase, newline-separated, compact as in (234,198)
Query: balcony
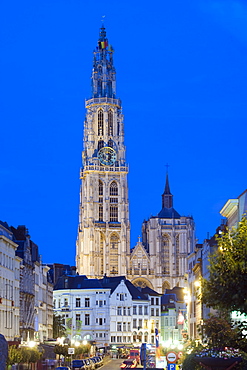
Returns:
(96,167)
(104,100)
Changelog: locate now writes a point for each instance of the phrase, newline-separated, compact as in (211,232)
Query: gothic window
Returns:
(110,143)
(100,144)
(100,123)
(177,255)
(114,240)
(110,123)
(165,253)
(113,213)
(100,188)
(101,212)
(113,189)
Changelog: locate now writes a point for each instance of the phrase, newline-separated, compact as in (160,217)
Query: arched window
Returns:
(113,254)
(100,144)
(165,254)
(110,143)
(100,123)
(100,188)
(110,123)
(113,189)
(177,256)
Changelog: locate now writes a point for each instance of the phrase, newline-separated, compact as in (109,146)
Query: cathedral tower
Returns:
(103,242)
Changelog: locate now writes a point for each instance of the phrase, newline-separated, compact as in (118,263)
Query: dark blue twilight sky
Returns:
(181,76)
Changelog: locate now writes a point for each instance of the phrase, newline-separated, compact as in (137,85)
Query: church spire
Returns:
(167,197)
(104,74)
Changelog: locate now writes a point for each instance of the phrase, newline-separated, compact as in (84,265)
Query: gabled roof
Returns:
(149,291)
(77,282)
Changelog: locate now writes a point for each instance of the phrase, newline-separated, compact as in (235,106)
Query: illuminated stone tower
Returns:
(103,242)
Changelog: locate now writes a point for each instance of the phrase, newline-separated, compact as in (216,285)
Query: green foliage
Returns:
(61,350)
(190,364)
(226,287)
(58,327)
(14,355)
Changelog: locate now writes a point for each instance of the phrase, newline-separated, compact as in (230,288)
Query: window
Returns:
(87,302)
(87,319)
(157,312)
(119,311)
(119,339)
(124,311)
(100,188)
(77,317)
(134,323)
(78,302)
(110,123)
(65,302)
(110,143)
(152,301)
(124,326)
(119,326)
(100,123)
(129,311)
(100,321)
(145,310)
(140,310)
(97,302)
(113,189)
(134,310)
(100,144)
(129,328)
(140,324)
(100,303)
(101,212)
(157,301)
(121,297)
(113,339)
(152,311)
(113,214)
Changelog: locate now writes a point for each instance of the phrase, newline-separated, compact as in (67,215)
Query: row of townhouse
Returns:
(26,311)
(107,312)
(232,211)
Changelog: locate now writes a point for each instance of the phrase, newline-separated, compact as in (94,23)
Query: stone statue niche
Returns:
(3,352)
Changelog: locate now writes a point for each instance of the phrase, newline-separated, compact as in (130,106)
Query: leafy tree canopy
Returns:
(226,288)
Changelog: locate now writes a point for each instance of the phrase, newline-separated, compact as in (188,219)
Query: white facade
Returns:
(106,316)
(9,286)
(85,313)
(43,307)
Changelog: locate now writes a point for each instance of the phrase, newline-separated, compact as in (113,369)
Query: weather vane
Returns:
(102,20)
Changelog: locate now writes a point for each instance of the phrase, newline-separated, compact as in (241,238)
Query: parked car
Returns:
(97,361)
(80,365)
(127,364)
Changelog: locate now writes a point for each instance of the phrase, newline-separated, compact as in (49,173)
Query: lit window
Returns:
(100,123)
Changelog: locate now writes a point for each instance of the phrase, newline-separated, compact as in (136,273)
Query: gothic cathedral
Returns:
(103,243)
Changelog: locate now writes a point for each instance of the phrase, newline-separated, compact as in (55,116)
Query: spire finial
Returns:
(167,165)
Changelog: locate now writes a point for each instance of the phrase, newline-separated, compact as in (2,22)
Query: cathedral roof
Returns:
(168,213)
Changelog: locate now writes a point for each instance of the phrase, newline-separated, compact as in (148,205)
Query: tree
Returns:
(14,355)
(226,288)
(58,327)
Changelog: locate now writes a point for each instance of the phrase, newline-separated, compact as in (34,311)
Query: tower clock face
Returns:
(107,156)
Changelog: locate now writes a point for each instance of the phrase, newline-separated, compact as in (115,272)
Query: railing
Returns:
(95,167)
(103,100)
